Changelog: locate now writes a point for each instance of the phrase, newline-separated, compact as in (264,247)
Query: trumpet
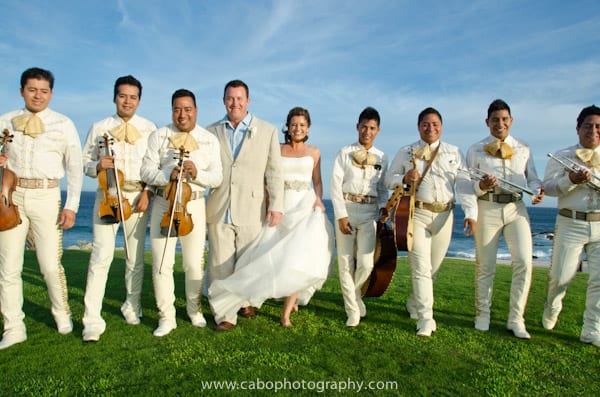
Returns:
(476,173)
(573,166)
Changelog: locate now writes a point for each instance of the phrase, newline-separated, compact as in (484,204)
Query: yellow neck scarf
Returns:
(499,149)
(30,124)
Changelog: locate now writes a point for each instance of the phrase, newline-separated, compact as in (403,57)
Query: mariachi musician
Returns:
(358,194)
(45,146)
(573,177)
(434,167)
(167,166)
(113,153)
(508,171)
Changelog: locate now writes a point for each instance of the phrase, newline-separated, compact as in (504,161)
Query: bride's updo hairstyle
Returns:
(297,111)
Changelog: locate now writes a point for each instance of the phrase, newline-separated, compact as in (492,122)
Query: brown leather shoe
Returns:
(247,312)
(224,326)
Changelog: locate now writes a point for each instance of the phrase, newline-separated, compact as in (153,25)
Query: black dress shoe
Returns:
(247,312)
(224,326)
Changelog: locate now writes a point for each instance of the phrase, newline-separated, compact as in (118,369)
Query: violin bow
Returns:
(177,193)
(120,199)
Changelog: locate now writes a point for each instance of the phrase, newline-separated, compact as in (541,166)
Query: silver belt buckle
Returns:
(438,206)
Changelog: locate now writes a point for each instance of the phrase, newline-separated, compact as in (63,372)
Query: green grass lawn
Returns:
(318,351)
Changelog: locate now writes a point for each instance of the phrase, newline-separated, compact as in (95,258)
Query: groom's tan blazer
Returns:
(248,178)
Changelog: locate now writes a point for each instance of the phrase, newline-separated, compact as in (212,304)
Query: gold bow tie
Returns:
(184,139)
(423,152)
(589,156)
(126,132)
(499,149)
(30,124)
(362,159)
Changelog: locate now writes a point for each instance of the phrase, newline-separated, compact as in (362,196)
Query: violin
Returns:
(9,213)
(114,207)
(176,221)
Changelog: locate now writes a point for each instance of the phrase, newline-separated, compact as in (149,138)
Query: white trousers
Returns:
(355,253)
(227,243)
(192,252)
(432,234)
(571,237)
(40,210)
(512,221)
(102,255)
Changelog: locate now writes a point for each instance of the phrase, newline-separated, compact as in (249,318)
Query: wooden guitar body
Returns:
(385,252)
(402,221)
(385,262)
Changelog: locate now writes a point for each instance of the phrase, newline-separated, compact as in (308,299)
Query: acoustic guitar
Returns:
(403,215)
(385,252)
(405,211)
(403,223)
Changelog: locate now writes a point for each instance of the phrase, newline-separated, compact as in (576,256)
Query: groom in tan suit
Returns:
(252,177)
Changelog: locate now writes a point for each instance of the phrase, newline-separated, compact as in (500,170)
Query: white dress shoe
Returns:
(164,328)
(593,339)
(9,340)
(482,323)
(353,321)
(548,320)
(198,320)
(426,327)
(130,316)
(91,335)
(64,326)
(519,330)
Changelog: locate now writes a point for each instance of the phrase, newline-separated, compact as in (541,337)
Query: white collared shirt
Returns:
(519,169)
(160,159)
(128,157)
(577,197)
(441,181)
(348,178)
(49,155)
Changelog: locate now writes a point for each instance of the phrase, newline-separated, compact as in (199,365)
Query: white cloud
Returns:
(332,57)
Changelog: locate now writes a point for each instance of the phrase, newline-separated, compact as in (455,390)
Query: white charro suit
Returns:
(251,181)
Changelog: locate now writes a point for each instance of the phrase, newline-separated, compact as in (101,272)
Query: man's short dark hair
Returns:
(182,92)
(236,83)
(585,112)
(37,73)
(129,80)
(496,105)
(427,111)
(369,113)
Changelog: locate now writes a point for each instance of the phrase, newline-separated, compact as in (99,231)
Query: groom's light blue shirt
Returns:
(235,136)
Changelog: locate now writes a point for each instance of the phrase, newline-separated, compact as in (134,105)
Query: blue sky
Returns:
(332,57)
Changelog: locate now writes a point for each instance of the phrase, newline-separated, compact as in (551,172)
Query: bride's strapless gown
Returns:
(293,256)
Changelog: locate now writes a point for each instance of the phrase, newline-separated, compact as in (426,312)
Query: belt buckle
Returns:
(438,206)
(504,198)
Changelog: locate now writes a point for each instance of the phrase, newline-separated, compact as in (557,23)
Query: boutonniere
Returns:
(251,132)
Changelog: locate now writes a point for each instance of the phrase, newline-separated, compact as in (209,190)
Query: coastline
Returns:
(536,263)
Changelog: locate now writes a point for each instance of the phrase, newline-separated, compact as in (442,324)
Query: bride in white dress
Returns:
(292,259)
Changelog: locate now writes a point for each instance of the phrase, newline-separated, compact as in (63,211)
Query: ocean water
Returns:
(461,246)
(542,221)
